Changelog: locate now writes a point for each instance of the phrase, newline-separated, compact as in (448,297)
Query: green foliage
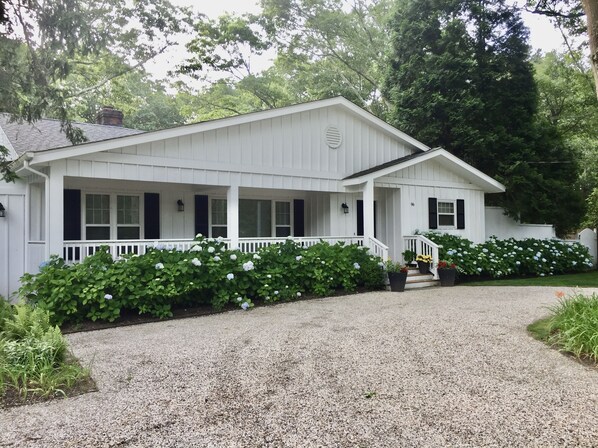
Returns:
(459,77)
(33,354)
(501,258)
(572,326)
(100,288)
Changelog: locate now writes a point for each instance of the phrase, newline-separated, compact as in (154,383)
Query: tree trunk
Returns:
(591,9)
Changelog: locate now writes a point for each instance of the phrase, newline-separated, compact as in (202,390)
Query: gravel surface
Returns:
(434,367)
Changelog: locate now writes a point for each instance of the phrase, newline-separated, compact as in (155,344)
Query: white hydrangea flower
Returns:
(211,249)
(230,276)
(248,266)
(159,266)
(245,306)
(196,262)
(196,248)
(239,299)
(199,235)
(233,257)
(269,276)
(108,297)
(256,257)
(275,293)
(298,257)
(219,239)
(216,258)
(298,294)
(355,265)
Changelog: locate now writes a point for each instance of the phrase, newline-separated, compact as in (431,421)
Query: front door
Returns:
(360,218)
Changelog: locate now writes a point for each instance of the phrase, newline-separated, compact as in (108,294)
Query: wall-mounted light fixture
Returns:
(180,205)
(2,211)
(345,208)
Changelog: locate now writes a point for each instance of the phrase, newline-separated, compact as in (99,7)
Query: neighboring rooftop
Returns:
(46,134)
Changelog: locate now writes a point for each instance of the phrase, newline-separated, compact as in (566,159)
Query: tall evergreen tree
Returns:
(460,77)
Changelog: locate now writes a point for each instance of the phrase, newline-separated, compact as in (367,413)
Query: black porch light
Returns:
(345,208)
(2,211)
(180,205)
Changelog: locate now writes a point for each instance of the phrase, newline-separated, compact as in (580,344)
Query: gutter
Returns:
(27,158)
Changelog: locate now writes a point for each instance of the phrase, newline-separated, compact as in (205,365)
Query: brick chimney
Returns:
(109,116)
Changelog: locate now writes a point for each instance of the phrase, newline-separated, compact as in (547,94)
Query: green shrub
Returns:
(500,258)
(572,326)
(100,288)
(33,354)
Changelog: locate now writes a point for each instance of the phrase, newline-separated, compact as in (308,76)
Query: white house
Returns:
(321,170)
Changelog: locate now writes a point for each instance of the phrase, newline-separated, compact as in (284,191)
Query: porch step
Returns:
(417,280)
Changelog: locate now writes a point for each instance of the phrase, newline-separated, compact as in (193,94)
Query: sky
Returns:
(543,35)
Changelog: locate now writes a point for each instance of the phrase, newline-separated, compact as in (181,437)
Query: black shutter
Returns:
(202,218)
(299,217)
(460,214)
(359,217)
(151,216)
(432,213)
(72,215)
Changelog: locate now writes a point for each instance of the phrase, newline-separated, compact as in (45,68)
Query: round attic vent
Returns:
(333,137)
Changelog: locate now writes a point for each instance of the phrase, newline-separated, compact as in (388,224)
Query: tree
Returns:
(323,48)
(570,15)
(42,43)
(460,77)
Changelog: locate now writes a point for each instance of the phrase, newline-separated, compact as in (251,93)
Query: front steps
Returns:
(417,280)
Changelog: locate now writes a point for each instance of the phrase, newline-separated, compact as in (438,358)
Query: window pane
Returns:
(218,231)
(283,213)
(127,209)
(97,233)
(446,207)
(446,220)
(219,212)
(255,218)
(283,231)
(97,209)
(127,233)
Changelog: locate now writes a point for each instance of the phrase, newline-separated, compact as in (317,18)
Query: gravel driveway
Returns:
(435,367)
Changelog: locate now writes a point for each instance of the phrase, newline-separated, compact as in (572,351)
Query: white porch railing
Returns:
(378,248)
(423,246)
(76,251)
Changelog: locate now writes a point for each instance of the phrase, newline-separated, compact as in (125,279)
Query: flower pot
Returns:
(447,276)
(397,281)
(423,267)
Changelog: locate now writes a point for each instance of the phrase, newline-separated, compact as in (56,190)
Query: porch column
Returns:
(368,211)
(55,209)
(232,216)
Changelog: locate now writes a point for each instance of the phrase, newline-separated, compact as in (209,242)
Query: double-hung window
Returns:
(219,220)
(283,218)
(109,217)
(446,214)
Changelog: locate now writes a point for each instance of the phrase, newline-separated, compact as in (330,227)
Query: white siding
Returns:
(388,221)
(317,214)
(12,238)
(414,210)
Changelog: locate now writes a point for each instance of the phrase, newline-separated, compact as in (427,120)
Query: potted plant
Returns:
(447,272)
(408,257)
(397,276)
(423,263)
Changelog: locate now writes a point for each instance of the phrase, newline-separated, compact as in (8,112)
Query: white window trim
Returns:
(113,214)
(454,214)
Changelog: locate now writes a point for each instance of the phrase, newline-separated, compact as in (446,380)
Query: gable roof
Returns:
(147,137)
(475,176)
(46,133)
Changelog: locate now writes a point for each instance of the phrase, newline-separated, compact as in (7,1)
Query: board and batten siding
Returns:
(286,152)
(12,237)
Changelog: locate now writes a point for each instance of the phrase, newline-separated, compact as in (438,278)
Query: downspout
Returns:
(28,157)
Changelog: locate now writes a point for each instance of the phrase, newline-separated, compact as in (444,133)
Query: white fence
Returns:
(503,227)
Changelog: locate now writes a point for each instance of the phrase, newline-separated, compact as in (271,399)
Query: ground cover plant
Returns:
(101,288)
(572,326)
(34,358)
(579,279)
(501,258)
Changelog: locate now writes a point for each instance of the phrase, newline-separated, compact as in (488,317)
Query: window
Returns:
(255,218)
(127,218)
(219,218)
(97,217)
(283,219)
(446,214)
(109,217)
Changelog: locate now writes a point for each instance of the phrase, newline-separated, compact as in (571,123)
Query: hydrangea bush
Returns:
(500,258)
(101,288)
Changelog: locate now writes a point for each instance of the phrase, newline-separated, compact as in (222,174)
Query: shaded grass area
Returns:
(582,280)
(572,327)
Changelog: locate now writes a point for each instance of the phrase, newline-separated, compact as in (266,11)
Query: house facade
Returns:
(321,170)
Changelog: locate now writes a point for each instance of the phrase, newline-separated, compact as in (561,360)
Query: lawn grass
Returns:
(582,280)
(572,327)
